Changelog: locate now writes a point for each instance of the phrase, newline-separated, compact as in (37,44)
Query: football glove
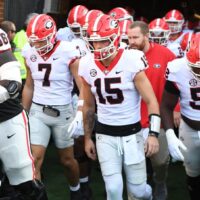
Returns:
(76,127)
(174,145)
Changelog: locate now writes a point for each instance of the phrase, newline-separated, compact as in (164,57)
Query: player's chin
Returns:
(133,47)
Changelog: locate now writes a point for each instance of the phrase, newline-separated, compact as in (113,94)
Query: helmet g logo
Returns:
(49,24)
(113,24)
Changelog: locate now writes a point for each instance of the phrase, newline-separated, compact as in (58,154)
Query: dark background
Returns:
(16,10)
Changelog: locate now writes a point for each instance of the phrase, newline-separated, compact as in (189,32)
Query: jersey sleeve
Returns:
(64,34)
(137,60)
(83,70)
(172,70)
(69,51)
(10,71)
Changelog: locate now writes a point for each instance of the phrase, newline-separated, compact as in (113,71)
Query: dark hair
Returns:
(142,25)
(7,26)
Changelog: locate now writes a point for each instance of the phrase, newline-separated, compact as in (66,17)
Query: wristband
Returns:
(80,102)
(154,124)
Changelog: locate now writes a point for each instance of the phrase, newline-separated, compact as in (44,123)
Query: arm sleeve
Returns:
(172,88)
(6,57)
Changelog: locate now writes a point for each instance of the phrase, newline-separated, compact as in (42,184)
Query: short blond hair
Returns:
(142,25)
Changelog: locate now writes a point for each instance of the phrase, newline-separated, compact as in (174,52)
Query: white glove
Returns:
(174,145)
(76,127)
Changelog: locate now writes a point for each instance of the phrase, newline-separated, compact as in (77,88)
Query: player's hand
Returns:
(90,149)
(174,145)
(177,118)
(76,127)
(151,146)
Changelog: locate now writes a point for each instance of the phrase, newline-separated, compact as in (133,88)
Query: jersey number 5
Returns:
(114,91)
(195,94)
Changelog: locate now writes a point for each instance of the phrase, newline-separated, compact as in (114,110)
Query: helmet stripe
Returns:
(173,13)
(96,22)
(76,13)
(157,22)
(35,23)
(124,26)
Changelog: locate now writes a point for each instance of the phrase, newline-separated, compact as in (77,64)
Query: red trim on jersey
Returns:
(46,56)
(112,64)
(6,50)
(28,141)
(72,61)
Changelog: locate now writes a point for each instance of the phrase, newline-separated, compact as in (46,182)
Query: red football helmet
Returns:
(185,42)
(120,14)
(193,55)
(41,28)
(76,18)
(159,31)
(175,20)
(124,25)
(103,28)
(90,16)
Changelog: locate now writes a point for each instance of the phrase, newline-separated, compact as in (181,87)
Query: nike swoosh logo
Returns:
(9,136)
(55,58)
(118,72)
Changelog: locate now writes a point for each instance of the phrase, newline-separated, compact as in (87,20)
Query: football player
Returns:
(77,22)
(115,78)
(183,81)
(175,21)
(15,152)
(159,32)
(51,67)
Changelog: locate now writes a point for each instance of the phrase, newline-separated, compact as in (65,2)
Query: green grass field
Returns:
(57,186)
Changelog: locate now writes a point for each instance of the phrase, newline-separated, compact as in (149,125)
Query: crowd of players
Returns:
(115,62)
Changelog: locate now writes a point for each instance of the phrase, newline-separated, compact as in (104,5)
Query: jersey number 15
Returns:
(113,91)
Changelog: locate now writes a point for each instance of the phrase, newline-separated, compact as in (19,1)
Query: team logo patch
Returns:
(156,65)
(33,58)
(93,72)
(193,82)
(99,137)
(49,24)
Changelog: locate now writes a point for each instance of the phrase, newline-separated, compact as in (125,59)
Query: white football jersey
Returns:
(188,85)
(176,49)
(118,101)
(53,81)
(179,39)
(65,34)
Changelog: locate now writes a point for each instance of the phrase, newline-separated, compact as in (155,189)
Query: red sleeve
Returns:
(177,108)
